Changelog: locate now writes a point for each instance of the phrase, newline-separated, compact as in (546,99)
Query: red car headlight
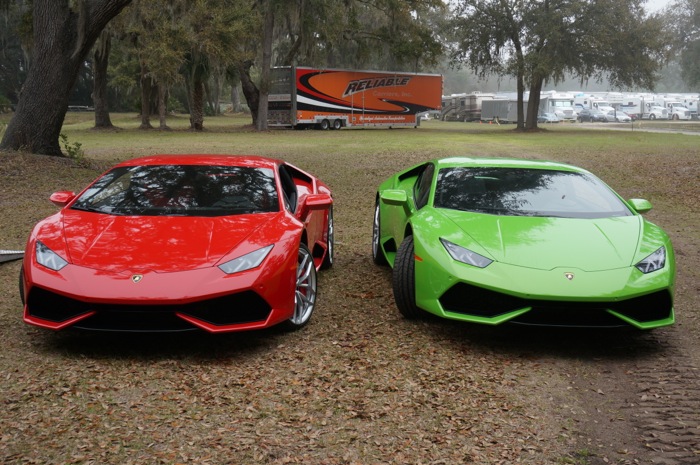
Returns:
(49,258)
(245,262)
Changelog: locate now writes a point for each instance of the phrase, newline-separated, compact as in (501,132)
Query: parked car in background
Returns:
(591,115)
(548,118)
(618,116)
(629,111)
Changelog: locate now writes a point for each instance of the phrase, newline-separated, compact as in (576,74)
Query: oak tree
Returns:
(63,34)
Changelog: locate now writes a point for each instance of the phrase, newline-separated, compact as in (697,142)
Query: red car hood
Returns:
(155,243)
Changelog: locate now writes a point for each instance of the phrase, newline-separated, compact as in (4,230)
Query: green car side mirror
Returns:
(640,205)
(394,197)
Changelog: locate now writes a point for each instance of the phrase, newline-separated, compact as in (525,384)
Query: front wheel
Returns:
(652,116)
(305,290)
(404,280)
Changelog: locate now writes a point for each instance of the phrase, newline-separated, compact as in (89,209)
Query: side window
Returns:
(421,190)
(289,189)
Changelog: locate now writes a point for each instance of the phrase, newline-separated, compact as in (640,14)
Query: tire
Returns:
(304,291)
(337,124)
(652,116)
(325,125)
(404,280)
(377,255)
(330,243)
(675,117)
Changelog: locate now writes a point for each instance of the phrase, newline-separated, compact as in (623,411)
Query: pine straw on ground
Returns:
(359,385)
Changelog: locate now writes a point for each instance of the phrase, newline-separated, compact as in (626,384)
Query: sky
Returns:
(655,5)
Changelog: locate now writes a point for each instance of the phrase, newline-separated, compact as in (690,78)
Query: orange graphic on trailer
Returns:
(353,97)
(369,92)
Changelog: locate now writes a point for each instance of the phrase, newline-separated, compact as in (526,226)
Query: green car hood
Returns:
(548,243)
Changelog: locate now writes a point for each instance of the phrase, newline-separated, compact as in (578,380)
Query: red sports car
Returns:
(181,242)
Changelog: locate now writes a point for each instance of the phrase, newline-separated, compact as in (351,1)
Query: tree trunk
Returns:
(62,40)
(250,92)
(533,105)
(216,94)
(235,99)
(521,102)
(197,110)
(99,93)
(162,106)
(268,29)
(146,86)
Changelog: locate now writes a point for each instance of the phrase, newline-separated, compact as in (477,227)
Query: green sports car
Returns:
(491,241)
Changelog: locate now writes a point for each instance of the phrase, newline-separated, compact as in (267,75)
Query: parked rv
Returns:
(463,107)
(561,104)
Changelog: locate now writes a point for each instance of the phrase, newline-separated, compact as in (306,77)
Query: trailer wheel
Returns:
(337,124)
(325,124)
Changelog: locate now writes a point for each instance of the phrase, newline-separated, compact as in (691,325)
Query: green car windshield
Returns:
(526,192)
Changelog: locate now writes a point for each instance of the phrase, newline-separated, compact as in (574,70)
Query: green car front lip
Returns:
(525,289)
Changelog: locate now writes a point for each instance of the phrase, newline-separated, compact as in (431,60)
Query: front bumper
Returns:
(204,299)
(561,297)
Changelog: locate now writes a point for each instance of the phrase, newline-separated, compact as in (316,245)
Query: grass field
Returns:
(359,384)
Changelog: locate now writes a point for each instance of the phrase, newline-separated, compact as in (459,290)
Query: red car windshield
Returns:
(526,192)
(182,190)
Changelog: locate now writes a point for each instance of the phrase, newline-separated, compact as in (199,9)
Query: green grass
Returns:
(234,134)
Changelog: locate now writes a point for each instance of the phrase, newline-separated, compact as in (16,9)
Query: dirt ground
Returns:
(359,385)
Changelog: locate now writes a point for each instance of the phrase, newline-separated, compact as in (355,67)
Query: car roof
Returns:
(252,161)
(475,162)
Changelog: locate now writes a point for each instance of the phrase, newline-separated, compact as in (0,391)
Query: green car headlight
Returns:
(465,255)
(245,262)
(49,258)
(653,262)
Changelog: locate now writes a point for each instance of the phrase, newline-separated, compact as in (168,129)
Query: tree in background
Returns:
(361,34)
(543,41)
(683,20)
(488,38)
(15,45)
(62,38)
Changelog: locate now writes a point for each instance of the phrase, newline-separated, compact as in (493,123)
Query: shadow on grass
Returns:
(559,342)
(195,346)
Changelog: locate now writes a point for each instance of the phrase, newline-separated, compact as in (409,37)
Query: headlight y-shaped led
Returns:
(245,262)
(48,257)
(465,255)
(653,262)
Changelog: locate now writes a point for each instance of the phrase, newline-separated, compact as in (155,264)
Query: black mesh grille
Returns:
(472,300)
(243,307)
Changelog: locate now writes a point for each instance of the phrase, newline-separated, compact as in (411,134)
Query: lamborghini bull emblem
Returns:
(136,278)
(569,275)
